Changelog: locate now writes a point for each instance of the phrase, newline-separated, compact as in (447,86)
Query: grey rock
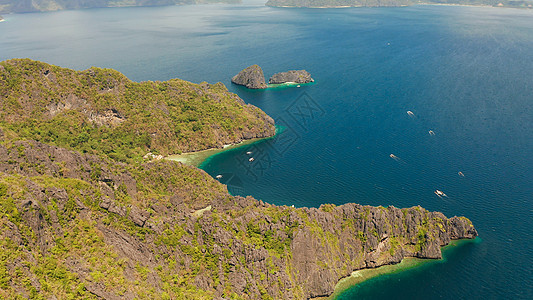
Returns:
(296,76)
(251,77)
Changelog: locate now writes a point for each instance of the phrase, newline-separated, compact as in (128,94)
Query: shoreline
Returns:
(359,276)
(276,86)
(424,4)
(197,158)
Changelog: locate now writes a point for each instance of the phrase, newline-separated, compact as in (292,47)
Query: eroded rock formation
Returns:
(296,76)
(251,77)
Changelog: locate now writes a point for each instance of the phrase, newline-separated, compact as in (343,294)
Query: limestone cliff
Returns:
(252,77)
(165,230)
(296,76)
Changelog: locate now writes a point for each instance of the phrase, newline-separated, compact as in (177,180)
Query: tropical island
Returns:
(84,215)
(252,77)
(393,3)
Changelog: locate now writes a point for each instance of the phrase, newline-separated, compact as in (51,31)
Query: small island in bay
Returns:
(252,77)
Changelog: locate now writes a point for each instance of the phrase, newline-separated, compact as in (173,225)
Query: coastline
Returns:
(422,3)
(359,276)
(277,86)
(197,158)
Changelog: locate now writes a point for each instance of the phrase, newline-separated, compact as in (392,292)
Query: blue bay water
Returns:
(465,73)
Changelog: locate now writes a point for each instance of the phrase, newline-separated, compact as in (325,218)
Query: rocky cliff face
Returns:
(162,229)
(296,76)
(251,77)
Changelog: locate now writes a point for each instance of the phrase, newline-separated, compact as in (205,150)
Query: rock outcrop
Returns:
(251,77)
(296,76)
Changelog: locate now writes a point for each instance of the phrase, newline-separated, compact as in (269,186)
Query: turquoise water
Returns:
(465,73)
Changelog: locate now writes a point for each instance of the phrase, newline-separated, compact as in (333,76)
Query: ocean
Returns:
(463,73)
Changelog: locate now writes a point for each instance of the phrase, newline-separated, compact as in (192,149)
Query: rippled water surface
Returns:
(465,73)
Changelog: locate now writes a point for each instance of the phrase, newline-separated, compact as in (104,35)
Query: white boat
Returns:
(431,132)
(440,193)
(251,159)
(249,152)
(218,176)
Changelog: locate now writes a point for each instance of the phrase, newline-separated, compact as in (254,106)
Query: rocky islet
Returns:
(252,77)
(292,76)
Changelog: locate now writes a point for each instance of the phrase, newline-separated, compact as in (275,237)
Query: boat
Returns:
(249,152)
(431,132)
(251,159)
(461,174)
(410,113)
(440,193)
(218,176)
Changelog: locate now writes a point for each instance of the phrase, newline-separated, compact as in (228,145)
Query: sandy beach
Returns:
(197,158)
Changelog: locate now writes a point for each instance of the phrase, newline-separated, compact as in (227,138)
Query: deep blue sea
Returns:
(465,73)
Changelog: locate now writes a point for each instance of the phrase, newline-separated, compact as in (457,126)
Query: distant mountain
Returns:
(378,3)
(22,6)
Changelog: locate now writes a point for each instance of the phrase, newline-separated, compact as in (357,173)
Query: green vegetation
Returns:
(100,111)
